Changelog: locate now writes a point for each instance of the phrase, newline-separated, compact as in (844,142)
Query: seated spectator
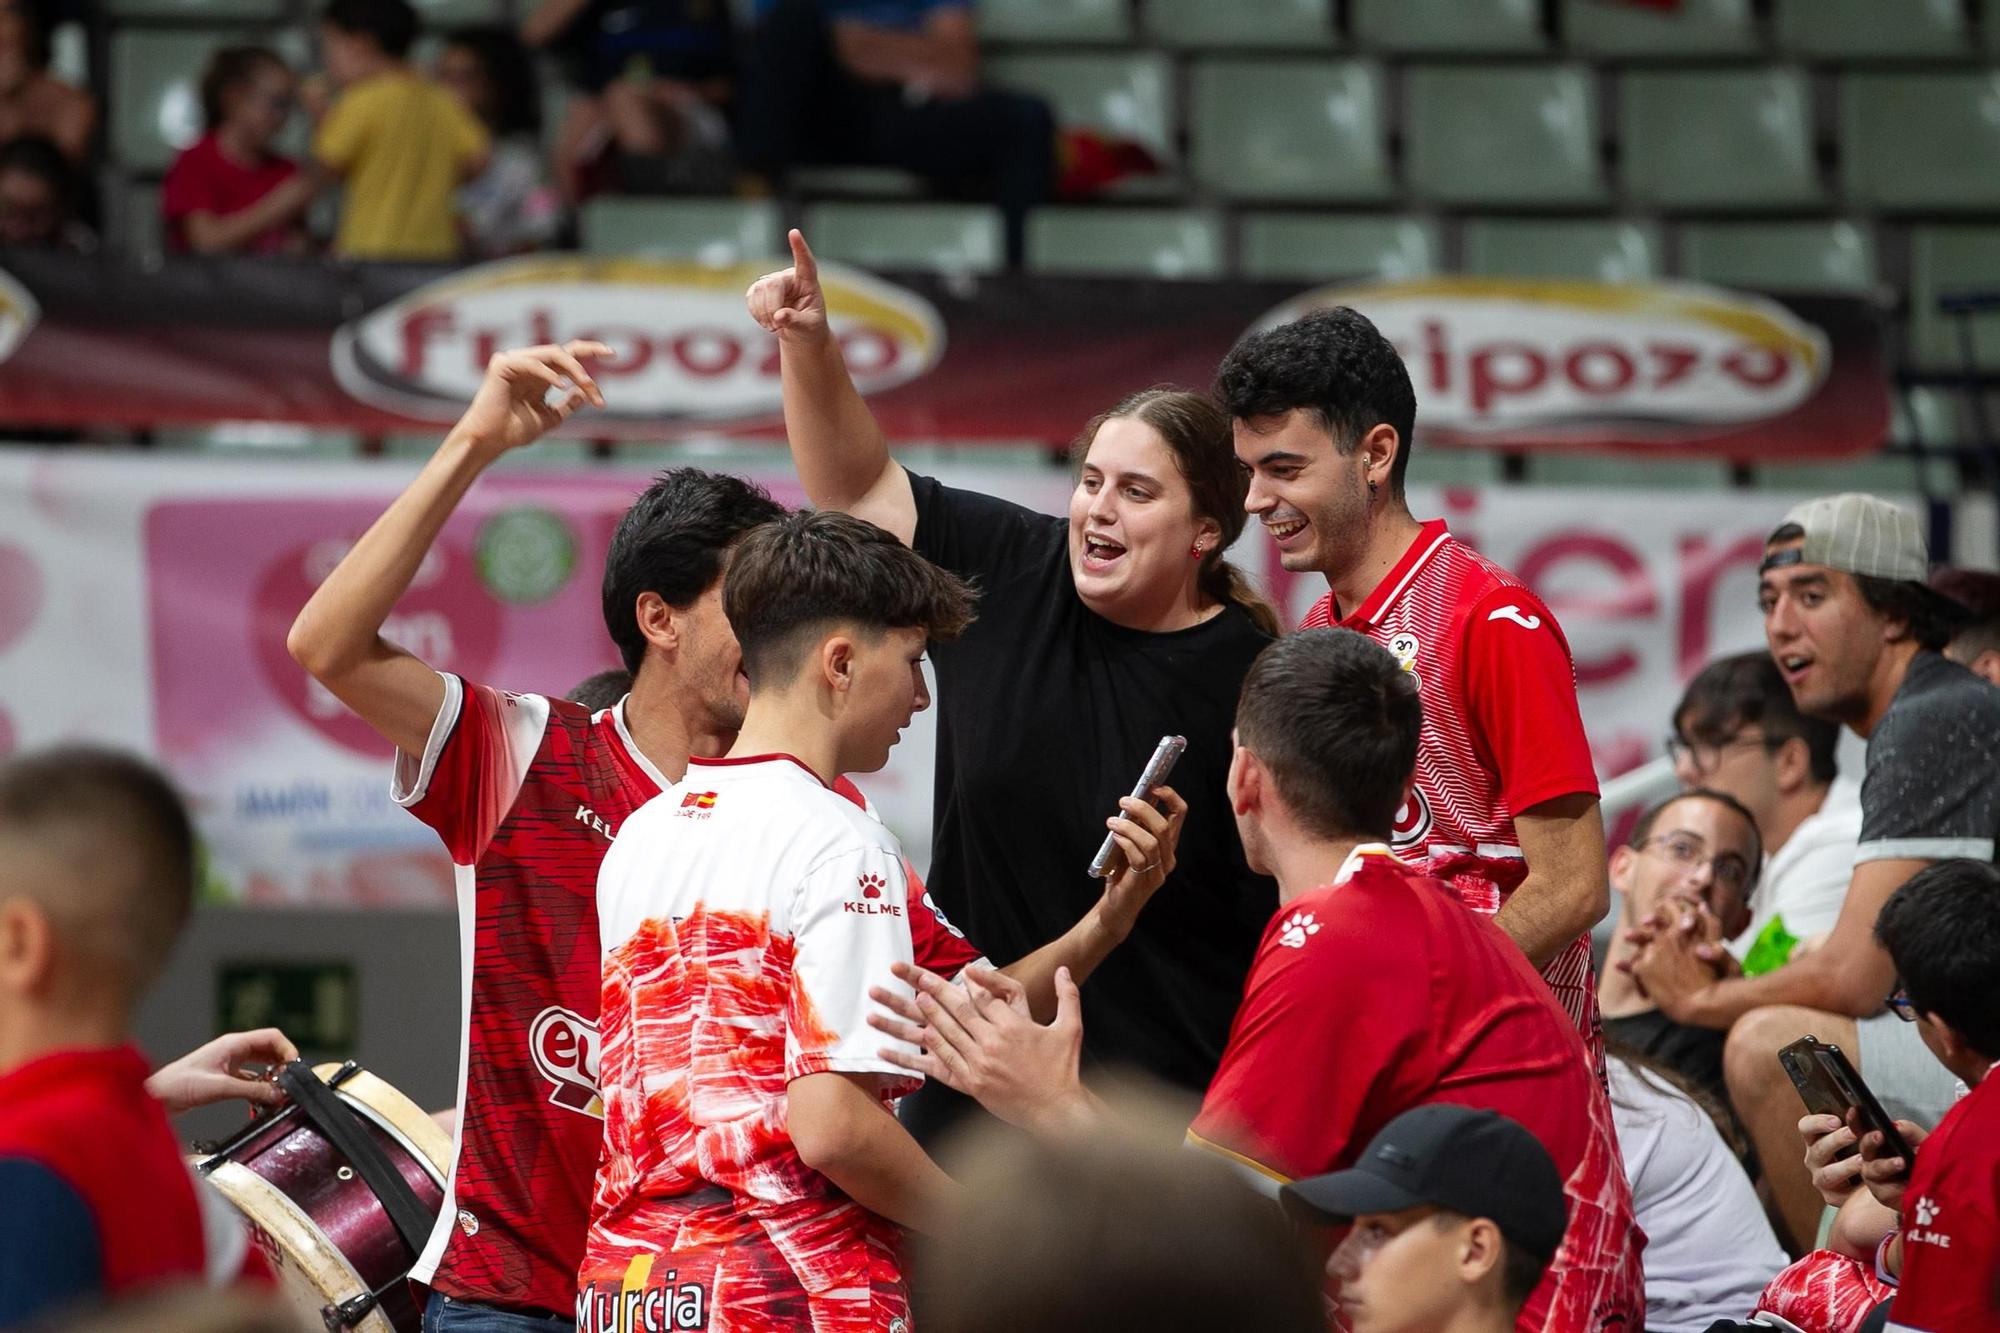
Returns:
(1691,859)
(1452,1217)
(32,101)
(1738,731)
(1709,1249)
(400,144)
(228,191)
(38,195)
(1856,631)
(1374,990)
(509,207)
(1115,1228)
(653,81)
(1976,646)
(893,83)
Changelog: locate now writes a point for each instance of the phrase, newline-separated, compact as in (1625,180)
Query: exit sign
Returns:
(315,1004)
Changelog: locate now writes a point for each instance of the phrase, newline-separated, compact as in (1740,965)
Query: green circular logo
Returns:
(525,555)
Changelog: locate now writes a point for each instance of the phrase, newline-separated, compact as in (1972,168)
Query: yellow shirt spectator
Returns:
(401,145)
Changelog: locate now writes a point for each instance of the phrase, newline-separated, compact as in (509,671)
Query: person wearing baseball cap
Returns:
(1858,633)
(1452,1213)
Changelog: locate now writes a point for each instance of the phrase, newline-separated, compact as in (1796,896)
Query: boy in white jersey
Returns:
(753,1175)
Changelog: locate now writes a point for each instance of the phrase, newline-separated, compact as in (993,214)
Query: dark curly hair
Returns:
(231,68)
(1333,363)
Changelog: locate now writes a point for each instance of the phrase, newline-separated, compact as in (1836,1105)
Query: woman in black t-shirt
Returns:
(1096,635)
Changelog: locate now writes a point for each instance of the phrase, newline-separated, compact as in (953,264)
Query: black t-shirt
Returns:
(1932,787)
(1047,712)
(1693,1053)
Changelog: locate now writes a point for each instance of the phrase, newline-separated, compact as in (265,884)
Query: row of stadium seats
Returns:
(1838,31)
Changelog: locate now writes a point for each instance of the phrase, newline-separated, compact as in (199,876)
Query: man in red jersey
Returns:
(1504,808)
(527,792)
(1372,992)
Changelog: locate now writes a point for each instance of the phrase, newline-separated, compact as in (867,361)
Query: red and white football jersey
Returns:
(1501,728)
(527,793)
(744,915)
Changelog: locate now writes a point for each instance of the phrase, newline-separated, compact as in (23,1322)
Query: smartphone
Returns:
(1829,1084)
(1165,755)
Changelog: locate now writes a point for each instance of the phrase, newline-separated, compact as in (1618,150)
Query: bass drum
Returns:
(340,1187)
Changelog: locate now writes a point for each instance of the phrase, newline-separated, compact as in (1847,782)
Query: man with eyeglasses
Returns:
(1691,861)
(1738,731)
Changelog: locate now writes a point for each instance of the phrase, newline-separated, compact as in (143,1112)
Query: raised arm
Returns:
(840,452)
(338,635)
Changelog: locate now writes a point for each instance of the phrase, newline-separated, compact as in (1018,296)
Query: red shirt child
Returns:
(204,179)
(1951,1223)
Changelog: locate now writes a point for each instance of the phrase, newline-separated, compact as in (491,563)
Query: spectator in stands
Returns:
(1113,1228)
(1738,731)
(1452,1217)
(510,207)
(399,144)
(893,83)
(228,191)
(653,81)
(33,101)
(1693,857)
(38,195)
(1976,646)
(1709,1248)
(1857,633)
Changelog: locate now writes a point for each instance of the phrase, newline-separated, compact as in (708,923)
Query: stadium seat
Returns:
(711,231)
(1125,242)
(1930,417)
(155,96)
(1206,25)
(1848,31)
(69,54)
(1054,21)
(1308,130)
(1439,26)
(1509,135)
(439,14)
(1737,139)
(945,238)
(856,182)
(1877,474)
(1620,30)
(210,11)
(1321,247)
(1780,256)
(1128,95)
(1565,469)
(1597,249)
(1945,260)
(1921,141)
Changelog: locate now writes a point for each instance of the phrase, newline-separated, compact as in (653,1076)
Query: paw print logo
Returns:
(1300,928)
(871,885)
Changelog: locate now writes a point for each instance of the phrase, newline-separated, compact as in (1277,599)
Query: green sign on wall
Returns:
(315,1004)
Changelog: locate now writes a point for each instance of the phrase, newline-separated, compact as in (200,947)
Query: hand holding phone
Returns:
(1829,1084)
(1165,755)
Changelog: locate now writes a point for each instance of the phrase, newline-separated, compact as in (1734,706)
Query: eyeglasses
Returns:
(1729,870)
(1703,756)
(1899,1005)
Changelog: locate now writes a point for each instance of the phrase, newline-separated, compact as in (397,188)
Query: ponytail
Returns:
(1225,583)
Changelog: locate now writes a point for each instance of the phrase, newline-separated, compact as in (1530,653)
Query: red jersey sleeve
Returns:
(1330,1037)
(478,753)
(1520,695)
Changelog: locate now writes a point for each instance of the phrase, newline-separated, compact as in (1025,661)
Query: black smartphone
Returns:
(1829,1084)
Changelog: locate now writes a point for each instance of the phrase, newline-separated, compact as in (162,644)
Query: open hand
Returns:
(789,302)
(513,405)
(215,1072)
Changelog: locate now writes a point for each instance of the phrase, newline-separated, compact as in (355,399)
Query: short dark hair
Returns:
(1748,690)
(229,69)
(813,569)
(1334,363)
(1978,591)
(673,541)
(1931,619)
(1335,719)
(517,98)
(392,23)
(1942,930)
(87,796)
(1642,829)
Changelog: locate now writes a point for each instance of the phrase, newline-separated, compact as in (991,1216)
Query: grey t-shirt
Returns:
(1932,789)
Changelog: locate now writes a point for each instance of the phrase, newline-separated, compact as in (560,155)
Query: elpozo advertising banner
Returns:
(145,602)
(1666,369)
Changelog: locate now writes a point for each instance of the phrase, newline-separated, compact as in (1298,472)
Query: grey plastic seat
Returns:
(1734,139)
(944,238)
(1944,260)
(1304,130)
(1054,21)
(1207,25)
(1619,30)
(709,231)
(1927,142)
(155,102)
(1319,247)
(1128,95)
(1522,135)
(1599,250)
(1564,469)
(1126,242)
(1780,256)
(1449,26)
(1850,31)
(210,11)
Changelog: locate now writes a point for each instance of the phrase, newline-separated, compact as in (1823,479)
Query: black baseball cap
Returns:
(1474,1162)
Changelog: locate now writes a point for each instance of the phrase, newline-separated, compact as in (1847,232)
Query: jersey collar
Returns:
(632,750)
(1429,538)
(741,761)
(1358,858)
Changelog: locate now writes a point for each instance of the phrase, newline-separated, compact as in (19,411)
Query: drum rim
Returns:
(292,1229)
(390,1109)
